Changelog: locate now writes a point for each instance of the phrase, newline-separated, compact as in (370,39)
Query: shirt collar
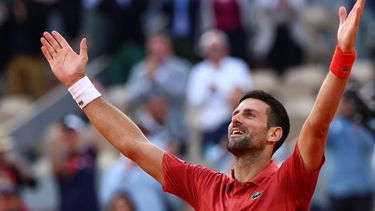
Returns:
(266,172)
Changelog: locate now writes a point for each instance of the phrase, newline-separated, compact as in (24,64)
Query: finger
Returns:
(46,54)
(358,14)
(342,15)
(357,9)
(48,47)
(52,41)
(60,39)
(83,49)
(361,3)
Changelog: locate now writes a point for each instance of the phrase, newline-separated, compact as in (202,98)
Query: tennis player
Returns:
(259,125)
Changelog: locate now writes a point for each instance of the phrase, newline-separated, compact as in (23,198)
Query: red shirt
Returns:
(289,187)
(227,15)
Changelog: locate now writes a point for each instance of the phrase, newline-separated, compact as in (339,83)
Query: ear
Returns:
(274,134)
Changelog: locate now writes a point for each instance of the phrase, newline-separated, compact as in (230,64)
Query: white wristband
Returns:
(83,92)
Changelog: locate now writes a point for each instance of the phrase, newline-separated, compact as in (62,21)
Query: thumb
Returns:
(83,49)
(342,15)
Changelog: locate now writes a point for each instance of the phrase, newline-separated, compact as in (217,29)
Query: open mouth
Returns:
(236,131)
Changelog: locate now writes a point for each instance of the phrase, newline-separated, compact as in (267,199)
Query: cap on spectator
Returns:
(72,121)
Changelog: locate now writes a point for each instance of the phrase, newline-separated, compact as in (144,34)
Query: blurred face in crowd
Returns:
(159,47)
(121,203)
(158,108)
(249,128)
(215,51)
(347,108)
(71,138)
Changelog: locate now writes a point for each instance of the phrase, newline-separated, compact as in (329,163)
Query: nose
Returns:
(236,118)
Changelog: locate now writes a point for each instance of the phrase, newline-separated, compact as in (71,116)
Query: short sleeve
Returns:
(186,180)
(296,181)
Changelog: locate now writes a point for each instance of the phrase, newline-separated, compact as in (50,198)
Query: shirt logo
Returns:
(256,195)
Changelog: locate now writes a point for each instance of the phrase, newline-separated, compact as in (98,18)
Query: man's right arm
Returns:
(115,126)
(125,136)
(182,179)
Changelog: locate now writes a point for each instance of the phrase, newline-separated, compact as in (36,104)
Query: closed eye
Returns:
(250,113)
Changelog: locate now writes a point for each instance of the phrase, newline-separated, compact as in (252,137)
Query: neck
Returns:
(216,61)
(247,167)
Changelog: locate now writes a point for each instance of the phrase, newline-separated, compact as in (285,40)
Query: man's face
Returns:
(248,130)
(71,138)
(159,47)
(216,51)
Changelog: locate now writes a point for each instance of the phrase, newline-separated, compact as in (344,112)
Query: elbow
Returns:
(318,129)
(127,149)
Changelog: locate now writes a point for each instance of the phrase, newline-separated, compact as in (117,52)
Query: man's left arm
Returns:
(312,139)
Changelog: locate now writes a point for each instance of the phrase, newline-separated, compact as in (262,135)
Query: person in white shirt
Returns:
(212,80)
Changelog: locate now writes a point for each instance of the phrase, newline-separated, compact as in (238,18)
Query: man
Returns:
(350,147)
(74,166)
(256,183)
(159,81)
(212,82)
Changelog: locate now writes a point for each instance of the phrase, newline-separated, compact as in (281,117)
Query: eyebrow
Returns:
(248,110)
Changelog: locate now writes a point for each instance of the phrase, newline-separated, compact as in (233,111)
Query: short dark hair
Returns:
(277,115)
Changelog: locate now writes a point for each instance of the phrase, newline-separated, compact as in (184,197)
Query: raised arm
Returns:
(312,139)
(115,126)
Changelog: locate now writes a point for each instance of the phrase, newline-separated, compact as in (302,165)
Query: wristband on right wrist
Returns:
(83,92)
(342,63)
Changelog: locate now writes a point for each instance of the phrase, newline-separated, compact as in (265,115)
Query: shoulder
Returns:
(179,62)
(138,69)
(237,63)
(173,164)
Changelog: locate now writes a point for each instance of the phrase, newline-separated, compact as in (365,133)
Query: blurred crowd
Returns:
(182,65)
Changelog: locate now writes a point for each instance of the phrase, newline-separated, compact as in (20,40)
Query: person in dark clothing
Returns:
(74,167)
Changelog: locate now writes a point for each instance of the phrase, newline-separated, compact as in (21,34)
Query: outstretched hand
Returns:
(349,24)
(67,65)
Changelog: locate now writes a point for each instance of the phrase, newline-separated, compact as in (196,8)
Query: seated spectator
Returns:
(121,202)
(74,166)
(211,82)
(163,75)
(350,147)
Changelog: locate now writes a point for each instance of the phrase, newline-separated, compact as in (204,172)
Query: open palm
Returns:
(349,24)
(67,65)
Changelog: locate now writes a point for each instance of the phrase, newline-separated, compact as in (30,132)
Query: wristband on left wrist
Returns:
(342,63)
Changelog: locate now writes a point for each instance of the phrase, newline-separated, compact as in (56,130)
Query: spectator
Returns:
(235,18)
(160,79)
(211,82)
(74,166)
(125,22)
(25,69)
(124,175)
(182,21)
(351,147)
(121,202)
(276,39)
